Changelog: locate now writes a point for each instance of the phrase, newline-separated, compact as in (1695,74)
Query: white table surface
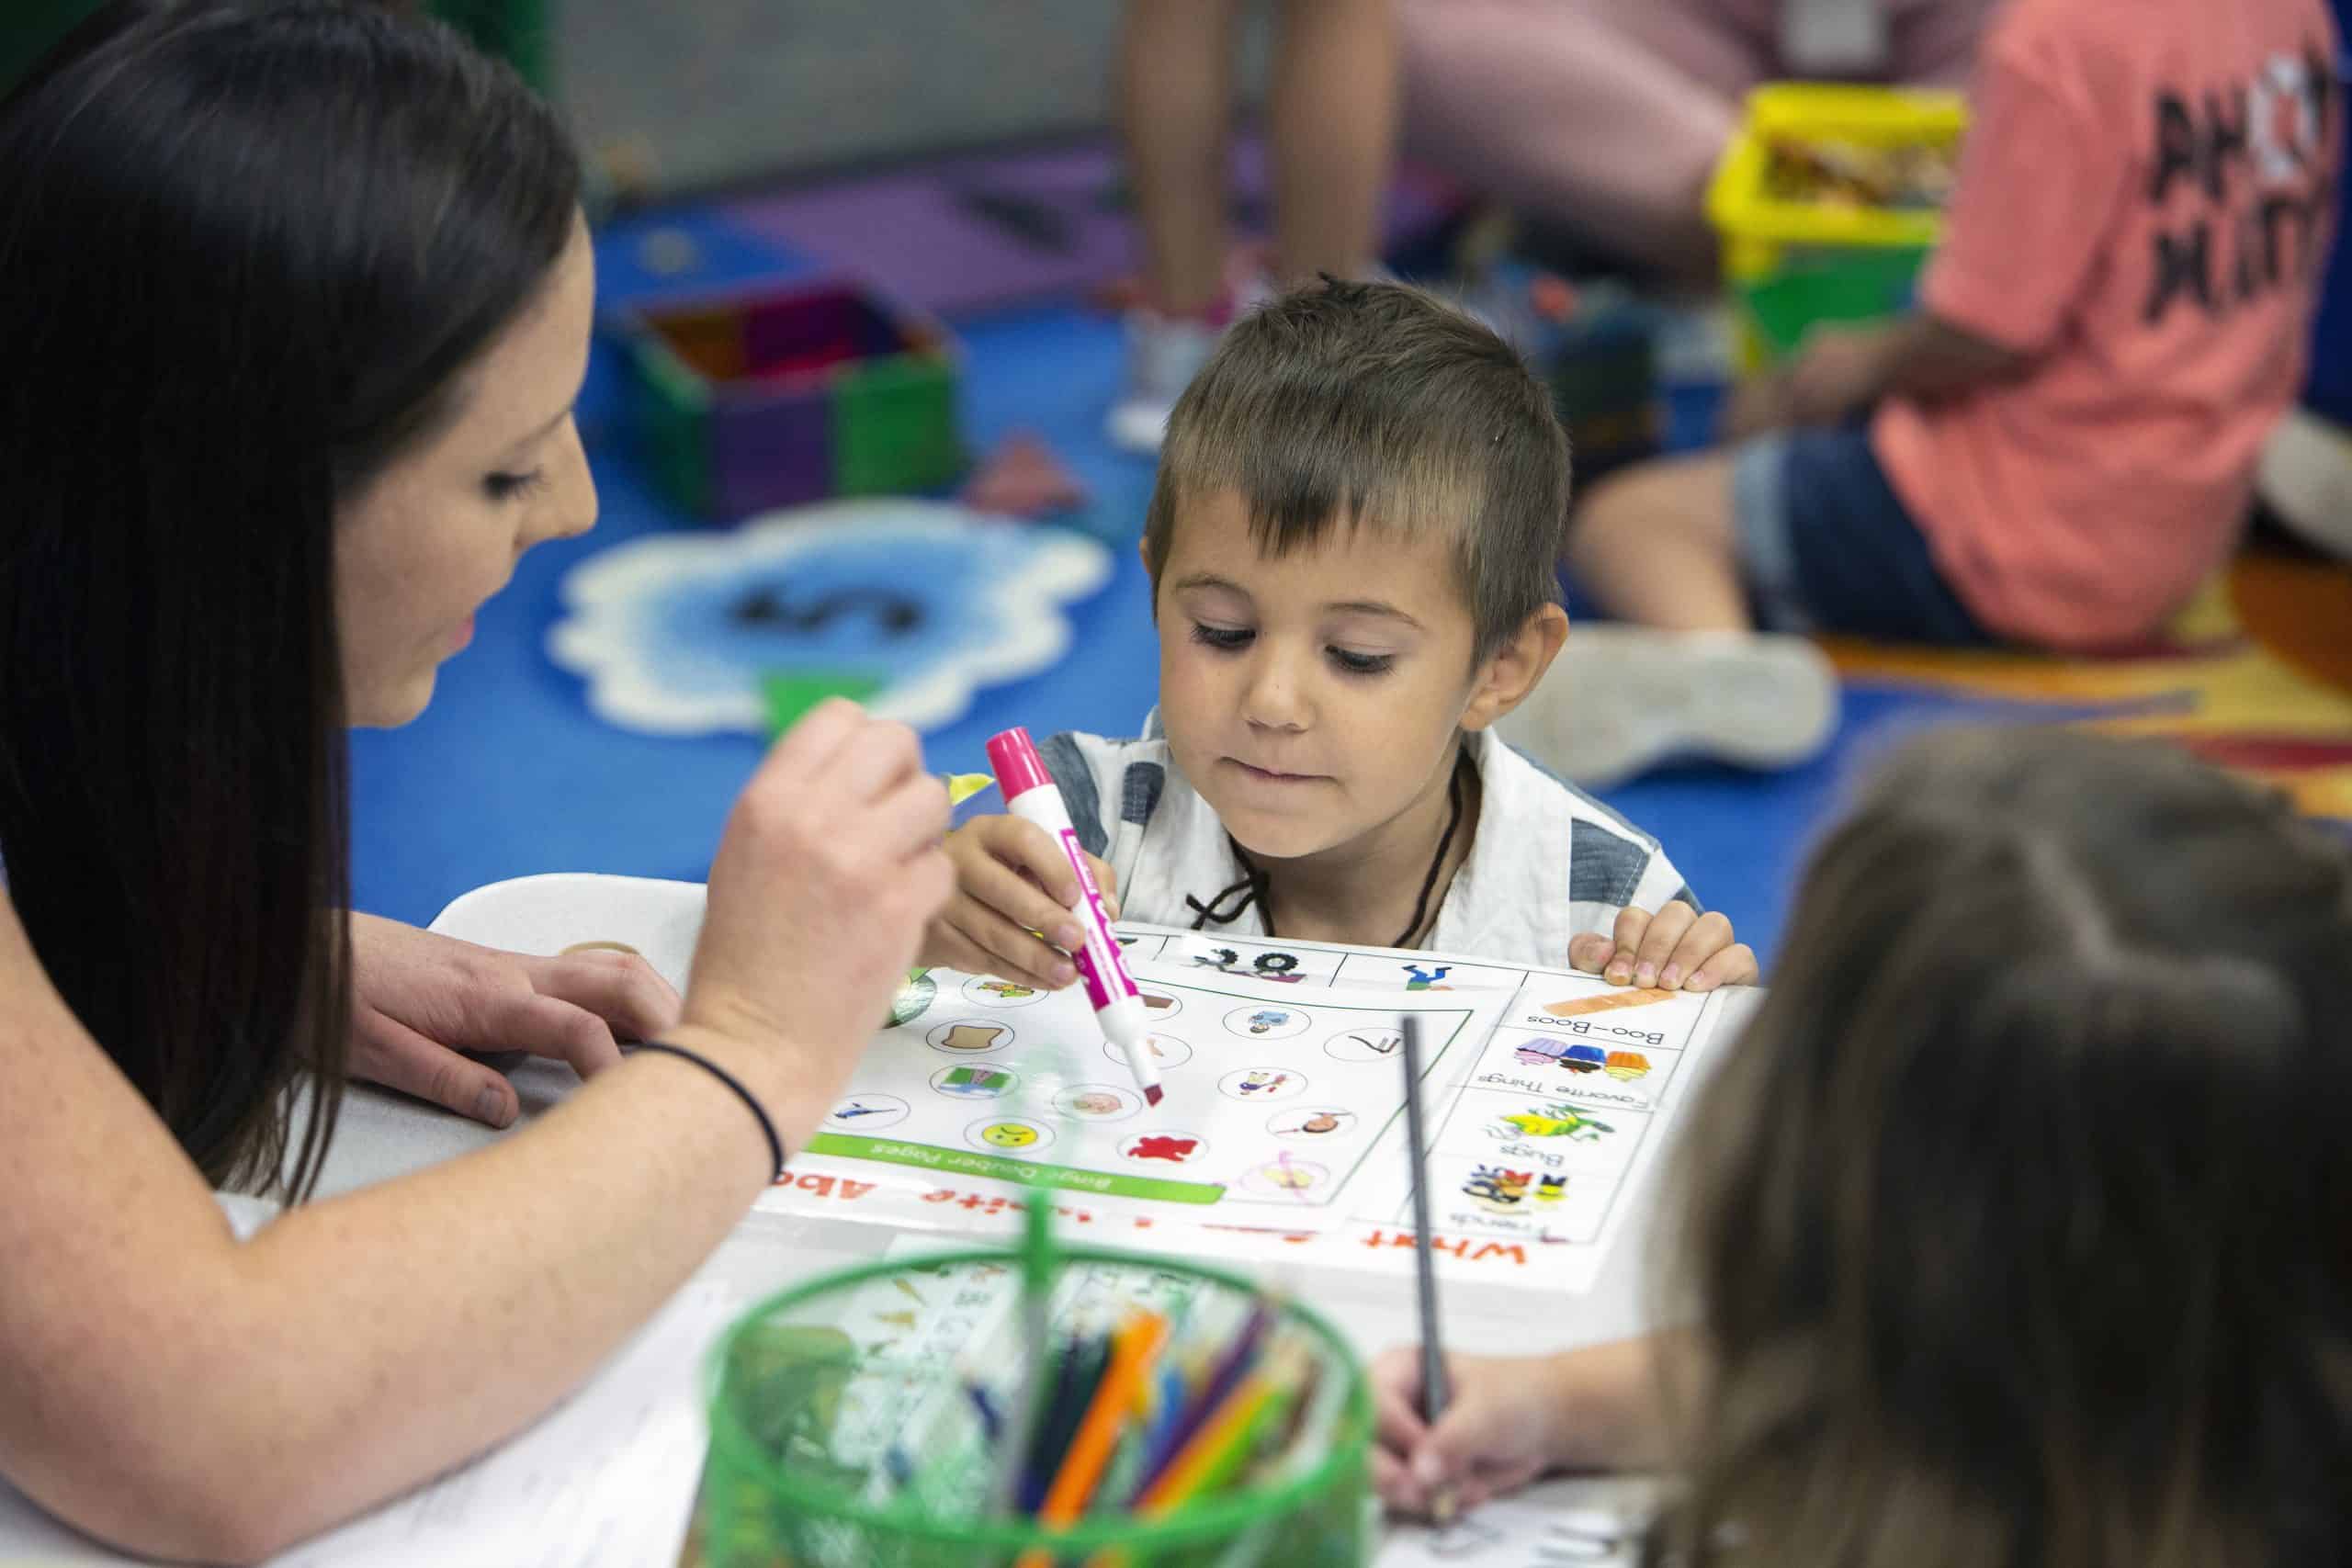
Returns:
(382,1136)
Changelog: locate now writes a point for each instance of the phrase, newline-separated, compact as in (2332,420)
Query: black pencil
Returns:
(1433,1390)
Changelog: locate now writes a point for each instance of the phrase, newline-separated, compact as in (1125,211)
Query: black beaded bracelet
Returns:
(775,1144)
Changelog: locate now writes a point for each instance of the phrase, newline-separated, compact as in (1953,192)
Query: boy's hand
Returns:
(1013,881)
(1676,949)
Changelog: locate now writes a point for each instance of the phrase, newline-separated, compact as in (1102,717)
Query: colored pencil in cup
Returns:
(1026,1417)
(1073,1484)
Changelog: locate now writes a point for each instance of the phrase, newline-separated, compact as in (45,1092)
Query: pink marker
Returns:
(1030,793)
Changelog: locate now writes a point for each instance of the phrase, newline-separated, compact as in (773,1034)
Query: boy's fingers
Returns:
(1013,954)
(1735,966)
(1708,936)
(957,950)
(1657,943)
(1005,892)
(1027,847)
(1590,952)
(1107,882)
(1632,921)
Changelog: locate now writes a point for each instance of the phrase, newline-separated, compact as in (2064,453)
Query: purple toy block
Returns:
(764,397)
(778,452)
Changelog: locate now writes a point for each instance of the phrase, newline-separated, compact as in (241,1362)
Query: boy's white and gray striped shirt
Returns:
(1549,861)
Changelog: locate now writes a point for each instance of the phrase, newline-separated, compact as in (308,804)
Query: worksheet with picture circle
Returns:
(1548,1097)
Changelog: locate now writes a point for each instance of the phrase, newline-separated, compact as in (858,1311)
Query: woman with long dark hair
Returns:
(2013,1228)
(294,301)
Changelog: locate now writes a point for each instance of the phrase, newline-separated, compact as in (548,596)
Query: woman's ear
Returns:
(1513,670)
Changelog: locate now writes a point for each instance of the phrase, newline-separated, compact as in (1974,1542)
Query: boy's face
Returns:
(1312,699)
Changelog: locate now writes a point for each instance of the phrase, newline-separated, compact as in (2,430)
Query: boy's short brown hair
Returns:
(1378,403)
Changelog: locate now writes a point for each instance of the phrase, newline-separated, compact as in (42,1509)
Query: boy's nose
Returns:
(1274,699)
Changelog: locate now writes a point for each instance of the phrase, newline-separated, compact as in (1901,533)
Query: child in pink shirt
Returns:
(2059,444)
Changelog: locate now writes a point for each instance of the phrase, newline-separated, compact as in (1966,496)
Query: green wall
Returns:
(519,29)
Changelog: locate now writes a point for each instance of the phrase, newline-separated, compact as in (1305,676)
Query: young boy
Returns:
(1352,549)
(2060,443)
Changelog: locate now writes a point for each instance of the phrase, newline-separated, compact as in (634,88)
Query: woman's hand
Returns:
(419,1000)
(828,868)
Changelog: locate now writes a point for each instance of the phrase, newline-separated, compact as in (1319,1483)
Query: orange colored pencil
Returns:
(1228,1425)
(1132,1353)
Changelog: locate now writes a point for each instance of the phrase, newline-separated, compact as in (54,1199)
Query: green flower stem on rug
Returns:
(790,693)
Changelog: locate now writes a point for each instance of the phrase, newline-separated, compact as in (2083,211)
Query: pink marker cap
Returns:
(1018,767)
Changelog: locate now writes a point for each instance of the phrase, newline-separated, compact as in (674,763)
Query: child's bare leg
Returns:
(1175,95)
(1332,113)
(1655,543)
(1606,115)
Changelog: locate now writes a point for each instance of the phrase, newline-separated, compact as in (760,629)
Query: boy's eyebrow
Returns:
(1206,580)
(1344,607)
(1373,607)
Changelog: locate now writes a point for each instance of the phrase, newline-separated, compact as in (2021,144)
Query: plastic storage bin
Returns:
(779,396)
(1791,261)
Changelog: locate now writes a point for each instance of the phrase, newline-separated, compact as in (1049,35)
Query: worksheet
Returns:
(1282,1125)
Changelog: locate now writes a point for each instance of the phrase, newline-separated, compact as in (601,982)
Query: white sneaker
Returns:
(2306,476)
(1164,354)
(1622,698)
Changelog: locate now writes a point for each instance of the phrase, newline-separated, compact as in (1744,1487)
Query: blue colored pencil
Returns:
(1227,1372)
(991,1419)
(1083,1363)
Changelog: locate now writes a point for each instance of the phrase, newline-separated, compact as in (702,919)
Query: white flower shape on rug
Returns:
(908,606)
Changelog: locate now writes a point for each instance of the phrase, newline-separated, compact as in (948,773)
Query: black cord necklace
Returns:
(1251,889)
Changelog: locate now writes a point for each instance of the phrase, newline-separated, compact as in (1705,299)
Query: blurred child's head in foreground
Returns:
(2018,1219)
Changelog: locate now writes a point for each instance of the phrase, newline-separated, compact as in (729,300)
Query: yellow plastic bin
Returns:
(1791,260)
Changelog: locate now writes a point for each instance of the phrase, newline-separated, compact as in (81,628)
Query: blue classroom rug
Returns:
(508,773)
